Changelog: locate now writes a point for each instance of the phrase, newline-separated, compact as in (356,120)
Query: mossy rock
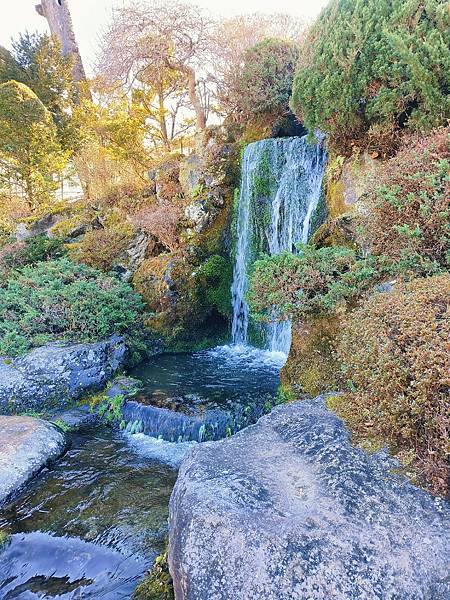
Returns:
(158,583)
(311,367)
(336,232)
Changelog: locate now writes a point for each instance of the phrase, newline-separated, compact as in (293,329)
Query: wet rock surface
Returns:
(78,418)
(288,509)
(26,446)
(56,374)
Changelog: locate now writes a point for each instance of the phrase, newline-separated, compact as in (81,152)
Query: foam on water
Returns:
(249,356)
(170,453)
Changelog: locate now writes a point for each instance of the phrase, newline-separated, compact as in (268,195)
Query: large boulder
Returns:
(26,446)
(57,374)
(288,509)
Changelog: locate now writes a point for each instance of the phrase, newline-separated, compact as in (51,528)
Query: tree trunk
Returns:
(59,21)
(194,97)
(162,121)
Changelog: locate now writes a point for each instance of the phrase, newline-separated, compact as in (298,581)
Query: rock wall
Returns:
(187,289)
(55,375)
(288,509)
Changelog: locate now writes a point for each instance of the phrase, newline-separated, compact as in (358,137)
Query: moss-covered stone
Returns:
(340,231)
(311,367)
(158,583)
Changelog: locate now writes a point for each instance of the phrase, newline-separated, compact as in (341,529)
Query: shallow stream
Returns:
(92,524)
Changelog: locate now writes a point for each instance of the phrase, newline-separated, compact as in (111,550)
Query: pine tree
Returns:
(369,68)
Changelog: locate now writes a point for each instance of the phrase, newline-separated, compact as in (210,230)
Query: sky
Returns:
(91,16)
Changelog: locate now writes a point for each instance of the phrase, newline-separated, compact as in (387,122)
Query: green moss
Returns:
(4,539)
(31,413)
(285,393)
(338,404)
(320,214)
(63,425)
(214,278)
(158,583)
(312,367)
(110,409)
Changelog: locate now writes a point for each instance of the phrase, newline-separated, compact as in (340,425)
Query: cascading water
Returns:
(280,190)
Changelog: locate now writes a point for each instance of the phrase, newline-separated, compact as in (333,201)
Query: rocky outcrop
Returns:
(54,375)
(26,446)
(288,509)
(129,261)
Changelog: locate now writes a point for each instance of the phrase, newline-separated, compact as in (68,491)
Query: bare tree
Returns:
(147,39)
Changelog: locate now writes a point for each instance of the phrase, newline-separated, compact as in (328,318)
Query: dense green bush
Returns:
(408,213)
(394,352)
(35,249)
(370,67)
(60,300)
(313,282)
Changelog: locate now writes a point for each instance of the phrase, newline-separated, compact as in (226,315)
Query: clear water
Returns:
(90,527)
(281,182)
(205,395)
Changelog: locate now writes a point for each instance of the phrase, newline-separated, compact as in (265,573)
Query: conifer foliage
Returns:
(371,67)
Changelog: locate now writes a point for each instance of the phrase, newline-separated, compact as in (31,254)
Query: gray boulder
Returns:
(78,418)
(26,446)
(54,375)
(288,509)
(132,257)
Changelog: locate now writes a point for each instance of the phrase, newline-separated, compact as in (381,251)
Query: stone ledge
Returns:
(288,509)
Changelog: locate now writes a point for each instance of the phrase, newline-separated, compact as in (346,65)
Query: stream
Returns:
(92,524)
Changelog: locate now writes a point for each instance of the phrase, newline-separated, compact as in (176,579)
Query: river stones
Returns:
(288,509)
(54,375)
(26,446)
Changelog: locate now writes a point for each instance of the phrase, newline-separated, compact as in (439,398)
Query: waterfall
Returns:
(210,424)
(281,185)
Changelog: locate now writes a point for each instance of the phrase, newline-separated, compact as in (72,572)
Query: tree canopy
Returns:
(37,61)
(30,154)
(371,67)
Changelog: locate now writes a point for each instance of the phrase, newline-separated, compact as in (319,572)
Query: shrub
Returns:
(161,220)
(394,351)
(100,248)
(34,249)
(261,89)
(368,69)
(314,282)
(408,213)
(59,300)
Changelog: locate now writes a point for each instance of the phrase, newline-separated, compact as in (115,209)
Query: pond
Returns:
(205,395)
(92,524)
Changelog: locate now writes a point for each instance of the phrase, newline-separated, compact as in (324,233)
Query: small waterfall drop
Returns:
(281,186)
